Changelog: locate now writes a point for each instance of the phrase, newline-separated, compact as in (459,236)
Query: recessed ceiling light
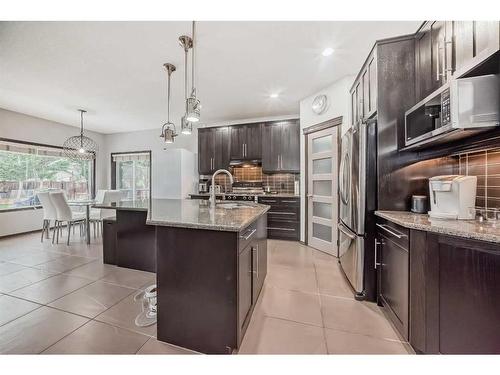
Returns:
(327,51)
(274,95)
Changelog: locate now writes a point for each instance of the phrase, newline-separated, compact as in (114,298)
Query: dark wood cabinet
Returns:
(472,43)
(450,49)
(364,91)
(213,149)
(281,147)
(283,219)
(244,285)
(446,287)
(246,141)
(207,285)
(392,257)
(455,305)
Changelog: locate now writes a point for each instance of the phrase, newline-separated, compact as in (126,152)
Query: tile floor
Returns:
(58,299)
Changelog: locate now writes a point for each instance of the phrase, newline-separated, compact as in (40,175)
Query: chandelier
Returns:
(80,147)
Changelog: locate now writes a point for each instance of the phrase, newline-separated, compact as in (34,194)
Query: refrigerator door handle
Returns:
(346,232)
(343,182)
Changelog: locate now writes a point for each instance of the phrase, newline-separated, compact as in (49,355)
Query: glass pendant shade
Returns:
(193,109)
(80,147)
(186,126)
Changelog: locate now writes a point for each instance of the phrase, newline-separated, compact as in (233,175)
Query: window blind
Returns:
(139,156)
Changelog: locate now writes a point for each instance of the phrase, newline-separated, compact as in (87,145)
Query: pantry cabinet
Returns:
(364,91)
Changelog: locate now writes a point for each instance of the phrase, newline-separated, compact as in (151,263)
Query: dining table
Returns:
(87,203)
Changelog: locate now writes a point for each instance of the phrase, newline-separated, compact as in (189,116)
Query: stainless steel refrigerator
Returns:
(358,201)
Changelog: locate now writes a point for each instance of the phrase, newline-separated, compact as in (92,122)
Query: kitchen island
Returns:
(210,265)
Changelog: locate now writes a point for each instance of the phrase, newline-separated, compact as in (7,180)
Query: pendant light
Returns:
(80,147)
(168,130)
(192,103)
(186,43)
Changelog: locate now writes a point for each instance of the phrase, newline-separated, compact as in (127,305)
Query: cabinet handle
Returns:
(439,54)
(292,201)
(393,232)
(256,250)
(246,237)
(446,43)
(376,251)
(287,229)
(278,161)
(281,213)
(267,201)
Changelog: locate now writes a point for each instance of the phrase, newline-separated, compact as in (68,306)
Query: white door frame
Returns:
(320,244)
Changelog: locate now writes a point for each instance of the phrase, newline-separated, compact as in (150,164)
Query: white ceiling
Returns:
(114,69)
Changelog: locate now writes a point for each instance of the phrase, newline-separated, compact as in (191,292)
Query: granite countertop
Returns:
(462,228)
(279,195)
(196,214)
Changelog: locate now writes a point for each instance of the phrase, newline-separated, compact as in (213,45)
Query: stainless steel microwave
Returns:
(458,108)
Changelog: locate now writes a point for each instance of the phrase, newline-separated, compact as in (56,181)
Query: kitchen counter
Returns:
(461,228)
(194,214)
(279,195)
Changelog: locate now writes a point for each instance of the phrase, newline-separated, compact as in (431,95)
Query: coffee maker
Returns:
(452,197)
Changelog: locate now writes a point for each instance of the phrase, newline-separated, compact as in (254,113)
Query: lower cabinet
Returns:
(252,270)
(441,292)
(392,259)
(455,306)
(245,286)
(283,217)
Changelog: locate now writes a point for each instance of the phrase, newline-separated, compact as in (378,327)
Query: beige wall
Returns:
(22,127)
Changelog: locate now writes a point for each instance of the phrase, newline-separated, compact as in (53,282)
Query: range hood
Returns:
(245,163)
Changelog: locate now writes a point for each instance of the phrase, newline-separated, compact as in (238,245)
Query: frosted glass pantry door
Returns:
(322,185)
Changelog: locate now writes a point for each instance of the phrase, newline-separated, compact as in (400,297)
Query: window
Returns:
(26,169)
(132,174)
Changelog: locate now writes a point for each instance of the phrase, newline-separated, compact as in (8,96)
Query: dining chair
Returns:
(64,214)
(97,215)
(49,212)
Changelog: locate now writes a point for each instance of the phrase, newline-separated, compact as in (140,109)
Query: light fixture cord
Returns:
(186,73)
(168,96)
(193,89)
(81,128)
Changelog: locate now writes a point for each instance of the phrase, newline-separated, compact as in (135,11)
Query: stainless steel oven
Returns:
(457,109)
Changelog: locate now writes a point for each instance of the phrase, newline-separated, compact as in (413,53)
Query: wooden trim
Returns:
(323,125)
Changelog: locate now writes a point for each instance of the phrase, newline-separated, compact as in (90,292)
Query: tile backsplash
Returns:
(280,182)
(486,166)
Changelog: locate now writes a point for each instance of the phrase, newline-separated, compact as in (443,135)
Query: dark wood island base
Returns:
(208,282)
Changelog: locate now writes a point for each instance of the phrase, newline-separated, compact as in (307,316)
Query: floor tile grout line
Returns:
(62,338)
(321,309)
(20,316)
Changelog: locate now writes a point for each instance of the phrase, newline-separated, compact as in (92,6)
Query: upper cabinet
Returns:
(246,141)
(364,91)
(213,149)
(281,150)
(450,49)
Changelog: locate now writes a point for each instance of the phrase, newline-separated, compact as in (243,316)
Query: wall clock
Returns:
(319,104)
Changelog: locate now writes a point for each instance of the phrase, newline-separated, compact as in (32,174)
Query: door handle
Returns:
(376,251)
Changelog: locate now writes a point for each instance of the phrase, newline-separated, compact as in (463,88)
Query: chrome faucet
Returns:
(212,193)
